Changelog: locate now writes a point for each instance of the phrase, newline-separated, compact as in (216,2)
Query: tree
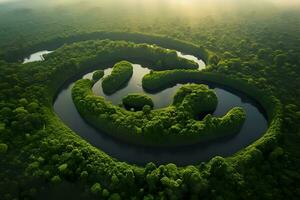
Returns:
(56,180)
(280,59)
(153,179)
(98,75)
(147,110)
(214,60)
(96,189)
(3,148)
(114,196)
(63,169)
(218,166)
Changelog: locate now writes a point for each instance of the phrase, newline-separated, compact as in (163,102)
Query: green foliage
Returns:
(270,103)
(196,99)
(252,41)
(146,109)
(137,101)
(55,179)
(63,168)
(97,75)
(3,148)
(280,60)
(105,193)
(173,125)
(96,189)
(114,196)
(119,76)
(218,167)
(84,174)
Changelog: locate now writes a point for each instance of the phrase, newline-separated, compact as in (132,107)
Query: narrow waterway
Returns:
(253,128)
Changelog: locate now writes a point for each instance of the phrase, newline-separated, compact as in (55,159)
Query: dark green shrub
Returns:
(137,101)
(98,75)
(56,180)
(96,189)
(196,99)
(3,148)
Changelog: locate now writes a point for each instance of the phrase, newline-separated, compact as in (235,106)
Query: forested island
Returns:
(120,74)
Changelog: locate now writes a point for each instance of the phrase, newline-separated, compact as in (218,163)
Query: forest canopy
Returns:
(252,46)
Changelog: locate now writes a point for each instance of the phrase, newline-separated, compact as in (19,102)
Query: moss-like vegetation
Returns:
(174,125)
(98,74)
(3,148)
(195,99)
(120,75)
(137,101)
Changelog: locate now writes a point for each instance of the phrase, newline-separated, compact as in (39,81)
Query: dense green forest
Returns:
(173,125)
(251,47)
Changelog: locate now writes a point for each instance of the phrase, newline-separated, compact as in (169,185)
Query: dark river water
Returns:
(253,128)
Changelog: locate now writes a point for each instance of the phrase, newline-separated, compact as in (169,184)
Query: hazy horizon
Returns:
(163,2)
(176,8)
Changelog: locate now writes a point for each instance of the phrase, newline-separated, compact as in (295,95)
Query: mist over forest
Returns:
(150,99)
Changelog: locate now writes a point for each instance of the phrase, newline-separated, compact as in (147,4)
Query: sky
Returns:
(280,2)
(188,5)
(286,2)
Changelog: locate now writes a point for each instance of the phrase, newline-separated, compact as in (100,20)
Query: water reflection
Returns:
(254,126)
(37,56)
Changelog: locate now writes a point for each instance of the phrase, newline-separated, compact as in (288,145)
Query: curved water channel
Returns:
(254,126)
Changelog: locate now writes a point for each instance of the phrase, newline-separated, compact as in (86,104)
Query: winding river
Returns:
(253,128)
